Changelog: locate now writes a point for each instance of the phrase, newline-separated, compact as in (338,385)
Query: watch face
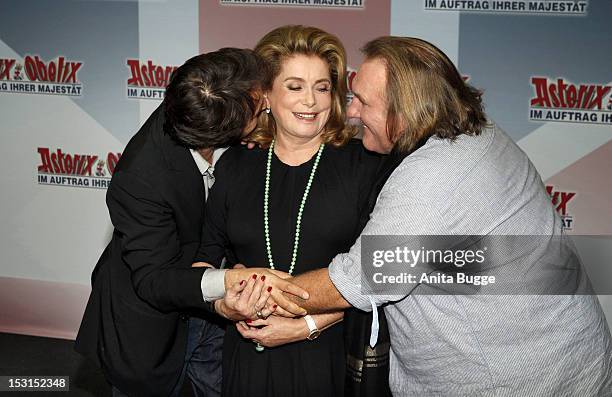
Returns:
(314,334)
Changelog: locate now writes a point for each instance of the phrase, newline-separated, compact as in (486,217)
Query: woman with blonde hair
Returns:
(294,202)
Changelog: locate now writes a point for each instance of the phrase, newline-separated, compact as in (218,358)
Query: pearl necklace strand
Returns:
(300,211)
(296,242)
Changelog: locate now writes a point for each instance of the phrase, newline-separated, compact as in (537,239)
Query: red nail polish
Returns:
(254,276)
(249,321)
(263,278)
(274,307)
(269,289)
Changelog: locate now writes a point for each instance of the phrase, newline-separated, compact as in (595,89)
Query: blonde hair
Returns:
(425,93)
(283,43)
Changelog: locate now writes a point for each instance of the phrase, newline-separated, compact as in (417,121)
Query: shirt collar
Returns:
(202,164)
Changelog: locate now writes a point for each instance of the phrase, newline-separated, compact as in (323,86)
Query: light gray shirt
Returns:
(494,345)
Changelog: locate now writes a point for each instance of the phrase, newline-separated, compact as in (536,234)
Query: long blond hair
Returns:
(286,41)
(425,93)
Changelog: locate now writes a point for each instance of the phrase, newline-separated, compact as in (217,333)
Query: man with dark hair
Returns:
(213,97)
(148,322)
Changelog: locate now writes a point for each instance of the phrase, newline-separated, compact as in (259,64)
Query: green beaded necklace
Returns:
(301,210)
(296,242)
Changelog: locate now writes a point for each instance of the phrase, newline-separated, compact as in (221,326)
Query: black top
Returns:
(330,224)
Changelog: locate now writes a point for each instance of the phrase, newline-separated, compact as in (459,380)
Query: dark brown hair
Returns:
(211,98)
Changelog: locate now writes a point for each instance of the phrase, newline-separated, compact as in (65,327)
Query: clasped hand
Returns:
(256,293)
(274,330)
(274,326)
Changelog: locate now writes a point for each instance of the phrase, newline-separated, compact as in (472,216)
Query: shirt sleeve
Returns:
(213,284)
(397,212)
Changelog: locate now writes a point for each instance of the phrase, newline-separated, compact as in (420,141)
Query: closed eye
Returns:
(360,99)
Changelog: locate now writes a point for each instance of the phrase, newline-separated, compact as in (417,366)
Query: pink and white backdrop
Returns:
(78,78)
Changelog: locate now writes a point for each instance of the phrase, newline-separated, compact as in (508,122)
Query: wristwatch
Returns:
(312,326)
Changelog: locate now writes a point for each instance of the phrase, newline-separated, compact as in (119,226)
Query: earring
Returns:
(267,104)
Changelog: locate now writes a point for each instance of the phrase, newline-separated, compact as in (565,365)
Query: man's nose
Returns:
(354,109)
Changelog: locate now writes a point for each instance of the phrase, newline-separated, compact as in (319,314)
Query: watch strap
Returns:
(312,326)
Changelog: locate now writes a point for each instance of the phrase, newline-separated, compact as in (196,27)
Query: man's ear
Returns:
(400,127)
(396,126)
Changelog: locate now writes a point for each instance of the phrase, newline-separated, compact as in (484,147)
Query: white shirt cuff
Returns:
(213,284)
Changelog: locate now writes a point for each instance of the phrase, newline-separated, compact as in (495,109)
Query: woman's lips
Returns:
(305,116)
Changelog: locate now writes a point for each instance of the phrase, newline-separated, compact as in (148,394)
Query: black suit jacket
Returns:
(133,324)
